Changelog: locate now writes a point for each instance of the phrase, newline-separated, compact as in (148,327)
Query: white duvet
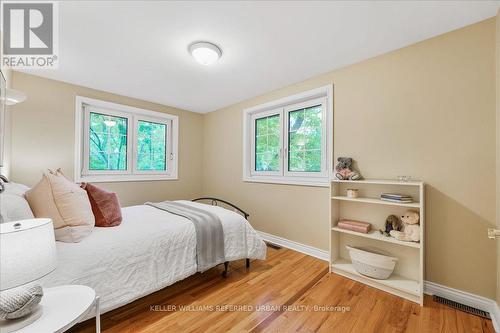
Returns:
(149,250)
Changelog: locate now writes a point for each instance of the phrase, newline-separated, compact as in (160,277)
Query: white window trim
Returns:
(290,178)
(86,138)
(134,115)
(254,117)
(168,151)
(302,105)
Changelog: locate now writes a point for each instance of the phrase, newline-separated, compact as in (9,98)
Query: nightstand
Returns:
(63,307)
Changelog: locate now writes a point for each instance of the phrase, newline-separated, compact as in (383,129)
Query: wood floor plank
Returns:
(288,292)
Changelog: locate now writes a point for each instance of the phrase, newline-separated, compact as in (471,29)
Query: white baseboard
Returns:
(476,301)
(430,288)
(495,316)
(306,249)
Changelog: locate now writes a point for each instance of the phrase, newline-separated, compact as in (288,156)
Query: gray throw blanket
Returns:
(209,233)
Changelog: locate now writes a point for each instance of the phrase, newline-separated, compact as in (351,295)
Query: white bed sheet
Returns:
(149,250)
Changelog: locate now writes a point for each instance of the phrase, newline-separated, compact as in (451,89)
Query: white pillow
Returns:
(15,188)
(13,205)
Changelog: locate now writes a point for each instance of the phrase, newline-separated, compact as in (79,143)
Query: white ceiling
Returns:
(139,49)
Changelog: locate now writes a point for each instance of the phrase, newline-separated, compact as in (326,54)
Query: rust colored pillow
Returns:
(105,206)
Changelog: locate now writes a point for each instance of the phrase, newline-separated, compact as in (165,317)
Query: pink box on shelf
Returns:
(358,226)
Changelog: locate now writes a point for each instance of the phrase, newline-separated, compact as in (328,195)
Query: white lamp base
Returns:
(11,325)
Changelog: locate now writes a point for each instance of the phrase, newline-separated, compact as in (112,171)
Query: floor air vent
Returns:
(461,307)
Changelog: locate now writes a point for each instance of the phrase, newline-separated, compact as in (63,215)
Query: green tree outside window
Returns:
(108,142)
(304,143)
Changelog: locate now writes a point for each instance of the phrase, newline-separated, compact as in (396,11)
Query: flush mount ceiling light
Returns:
(205,53)
(14,96)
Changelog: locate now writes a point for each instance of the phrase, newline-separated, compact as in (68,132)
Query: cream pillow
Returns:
(14,208)
(65,203)
(13,204)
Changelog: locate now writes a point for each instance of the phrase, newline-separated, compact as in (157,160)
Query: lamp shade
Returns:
(27,251)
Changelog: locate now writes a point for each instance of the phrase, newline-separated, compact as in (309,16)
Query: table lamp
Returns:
(27,253)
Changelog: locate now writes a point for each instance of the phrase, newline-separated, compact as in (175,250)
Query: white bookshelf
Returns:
(408,277)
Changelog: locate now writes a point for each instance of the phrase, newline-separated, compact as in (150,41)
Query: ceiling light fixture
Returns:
(205,53)
(14,96)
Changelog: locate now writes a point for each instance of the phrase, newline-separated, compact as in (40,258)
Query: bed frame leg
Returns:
(248,263)
(226,266)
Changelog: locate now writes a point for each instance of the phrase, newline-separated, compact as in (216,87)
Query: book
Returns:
(355,223)
(396,196)
(358,226)
(397,200)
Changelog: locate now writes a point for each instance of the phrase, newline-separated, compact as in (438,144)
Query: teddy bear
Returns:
(391,223)
(411,228)
(344,169)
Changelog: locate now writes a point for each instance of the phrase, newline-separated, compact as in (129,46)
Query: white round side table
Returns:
(63,307)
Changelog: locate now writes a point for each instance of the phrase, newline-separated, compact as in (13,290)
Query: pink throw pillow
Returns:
(105,206)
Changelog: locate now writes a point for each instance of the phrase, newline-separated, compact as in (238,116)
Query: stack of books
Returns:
(394,197)
(358,226)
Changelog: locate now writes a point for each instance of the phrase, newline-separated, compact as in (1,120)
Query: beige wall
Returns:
(497,60)
(43,137)
(5,169)
(427,110)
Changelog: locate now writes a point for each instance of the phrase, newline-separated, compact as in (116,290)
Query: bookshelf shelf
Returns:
(395,284)
(376,235)
(377,201)
(379,182)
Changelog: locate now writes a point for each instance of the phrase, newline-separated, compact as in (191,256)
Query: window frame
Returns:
(86,137)
(286,134)
(84,106)
(168,150)
(254,118)
(322,95)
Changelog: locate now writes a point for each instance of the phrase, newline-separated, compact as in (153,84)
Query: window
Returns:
(120,143)
(108,142)
(267,143)
(152,146)
(290,140)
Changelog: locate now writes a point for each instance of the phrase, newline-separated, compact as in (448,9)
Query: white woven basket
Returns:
(371,263)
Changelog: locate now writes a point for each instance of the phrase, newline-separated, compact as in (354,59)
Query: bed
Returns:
(150,250)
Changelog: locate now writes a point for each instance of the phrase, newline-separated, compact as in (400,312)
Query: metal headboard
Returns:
(215,202)
(3,180)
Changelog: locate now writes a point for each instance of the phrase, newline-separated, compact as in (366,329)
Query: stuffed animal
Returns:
(391,223)
(344,169)
(411,228)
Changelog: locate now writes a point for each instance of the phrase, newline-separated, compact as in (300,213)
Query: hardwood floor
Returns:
(280,295)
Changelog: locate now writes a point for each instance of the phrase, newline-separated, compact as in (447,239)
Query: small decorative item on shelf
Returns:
(344,170)
(374,264)
(396,197)
(404,178)
(391,223)
(411,228)
(352,193)
(358,226)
